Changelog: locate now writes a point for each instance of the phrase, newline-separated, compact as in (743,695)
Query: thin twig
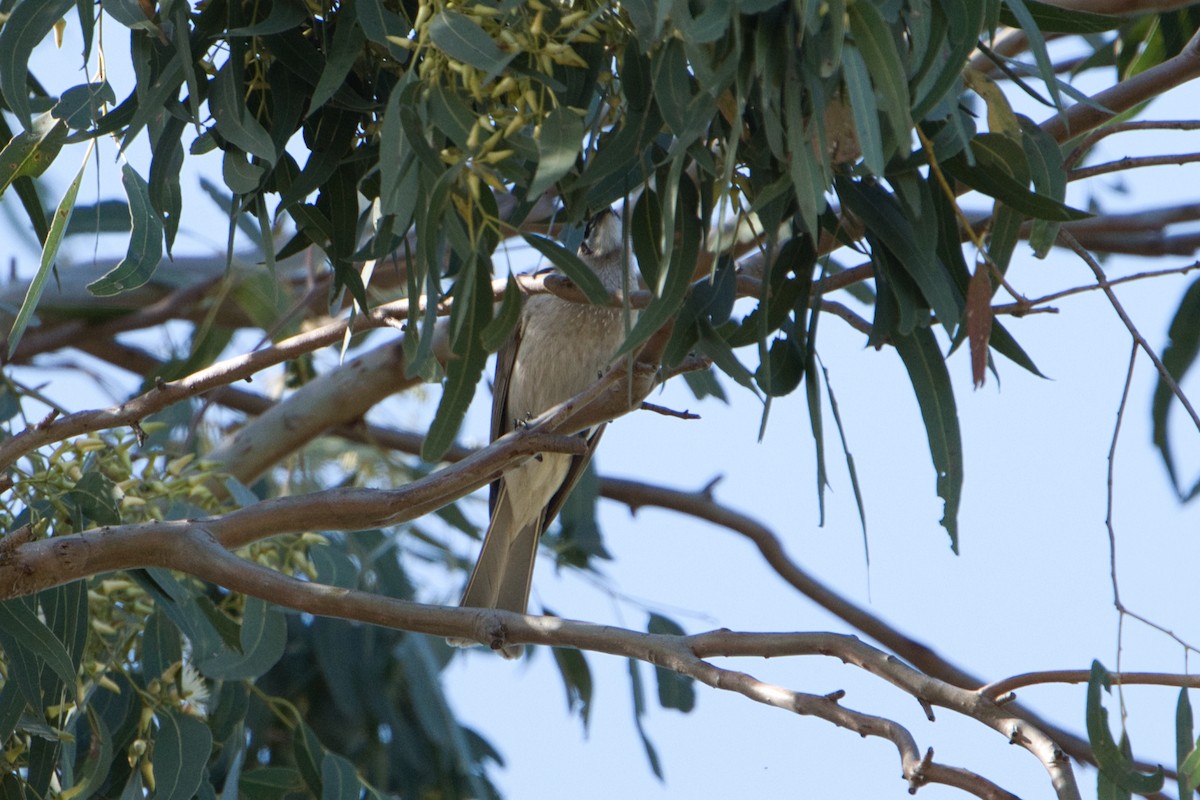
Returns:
(668,412)
(1106,286)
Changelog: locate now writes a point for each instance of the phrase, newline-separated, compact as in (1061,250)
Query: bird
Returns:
(557,349)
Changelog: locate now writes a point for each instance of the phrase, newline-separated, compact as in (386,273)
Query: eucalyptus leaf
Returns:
(145,241)
(27,24)
(461,38)
(927,370)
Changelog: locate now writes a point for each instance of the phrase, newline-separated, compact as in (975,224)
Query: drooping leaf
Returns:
(461,38)
(145,241)
(674,690)
(26,26)
(339,779)
(234,121)
(496,332)
(1178,357)
(927,370)
(381,26)
(181,751)
(885,220)
(263,636)
(571,265)
(1115,765)
(1051,18)
(994,173)
(639,709)
(865,109)
(344,50)
(80,106)
(577,680)
(874,39)
(1185,744)
(58,228)
(21,629)
(979,321)
(558,146)
(284,15)
(30,153)
(471,314)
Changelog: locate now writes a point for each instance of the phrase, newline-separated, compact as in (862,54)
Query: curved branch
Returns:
(1081,118)
(1004,686)
(205,557)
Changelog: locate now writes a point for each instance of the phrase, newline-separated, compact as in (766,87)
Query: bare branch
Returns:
(1132,162)
(1006,685)
(1081,118)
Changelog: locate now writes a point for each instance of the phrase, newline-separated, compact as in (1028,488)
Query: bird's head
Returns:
(602,236)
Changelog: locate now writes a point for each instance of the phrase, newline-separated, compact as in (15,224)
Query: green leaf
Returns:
(1004,235)
(783,366)
(378,23)
(496,332)
(181,751)
(93,495)
(284,15)
(884,218)
(471,313)
(570,265)
(993,173)
(673,85)
(262,637)
(147,102)
(674,690)
(577,680)
(30,153)
(308,753)
(461,38)
(1003,343)
(680,199)
(30,634)
(80,106)
(347,45)
(558,147)
(179,603)
(145,242)
(850,467)
(26,26)
(91,774)
(866,112)
(1185,744)
(12,704)
(639,708)
(874,39)
(234,121)
(161,646)
(1191,766)
(269,783)
(1056,19)
(339,779)
(58,228)
(1183,346)
(927,370)
(1114,765)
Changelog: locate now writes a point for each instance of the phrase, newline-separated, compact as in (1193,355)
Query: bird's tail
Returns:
(504,572)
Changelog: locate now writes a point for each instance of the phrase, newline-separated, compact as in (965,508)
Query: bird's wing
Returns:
(578,465)
(502,421)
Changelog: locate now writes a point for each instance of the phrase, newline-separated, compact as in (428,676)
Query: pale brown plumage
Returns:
(557,350)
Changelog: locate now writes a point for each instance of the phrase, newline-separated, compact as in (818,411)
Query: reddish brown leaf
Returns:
(979,321)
